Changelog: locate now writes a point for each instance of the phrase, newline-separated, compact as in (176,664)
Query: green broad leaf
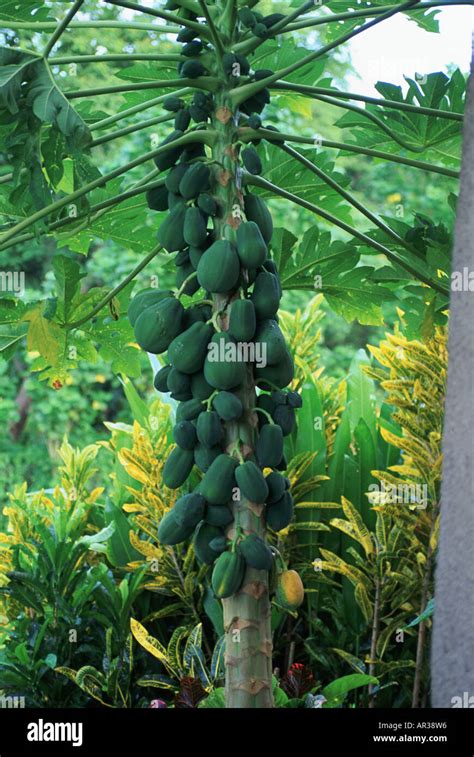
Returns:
(139,408)
(337,690)
(23,10)
(215,700)
(333,268)
(147,72)
(119,550)
(15,67)
(213,609)
(289,174)
(361,395)
(438,138)
(283,242)
(427,613)
(275,56)
(426,19)
(53,150)
(115,343)
(67,273)
(45,336)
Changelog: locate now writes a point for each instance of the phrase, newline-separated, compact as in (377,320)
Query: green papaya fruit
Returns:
(179,384)
(273,140)
(278,514)
(269,447)
(219,268)
(182,119)
(192,69)
(254,122)
(257,211)
(209,429)
(263,73)
(207,204)
(205,533)
(161,379)
(219,543)
(256,552)
(228,62)
(189,509)
(272,19)
(174,177)
(205,456)
(242,320)
(228,406)
(157,198)
(295,400)
(276,486)
(223,368)
(198,114)
(266,295)
(174,200)
(157,326)
(178,467)
(170,233)
(260,30)
(195,227)
(188,350)
(186,35)
(279,397)
(246,17)
(188,411)
(195,181)
(173,103)
(168,158)
(228,574)
(200,389)
(195,314)
(184,434)
(279,375)
(143,300)
(195,254)
(219,480)
(251,482)
(284,415)
(269,334)
(251,161)
(251,246)
(218,515)
(193,151)
(182,258)
(171,532)
(192,49)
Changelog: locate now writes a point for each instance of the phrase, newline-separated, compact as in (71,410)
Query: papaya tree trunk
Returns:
(247,614)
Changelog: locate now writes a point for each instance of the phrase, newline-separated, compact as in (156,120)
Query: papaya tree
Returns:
(225,65)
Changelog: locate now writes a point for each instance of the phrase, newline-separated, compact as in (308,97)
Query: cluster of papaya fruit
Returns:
(231,264)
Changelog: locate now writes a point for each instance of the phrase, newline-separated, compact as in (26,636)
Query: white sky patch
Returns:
(399,47)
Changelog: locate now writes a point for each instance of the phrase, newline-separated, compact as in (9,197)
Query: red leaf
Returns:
(298,681)
(190,693)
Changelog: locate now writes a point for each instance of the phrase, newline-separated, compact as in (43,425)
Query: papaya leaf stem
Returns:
(304,89)
(62,26)
(346,195)
(116,290)
(258,181)
(59,60)
(216,38)
(247,135)
(138,109)
(172,18)
(209,83)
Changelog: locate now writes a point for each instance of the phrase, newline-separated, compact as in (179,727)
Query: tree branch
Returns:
(47,26)
(308,91)
(247,135)
(60,60)
(114,292)
(171,17)
(209,83)
(258,181)
(129,129)
(137,109)
(214,33)
(346,195)
(62,26)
